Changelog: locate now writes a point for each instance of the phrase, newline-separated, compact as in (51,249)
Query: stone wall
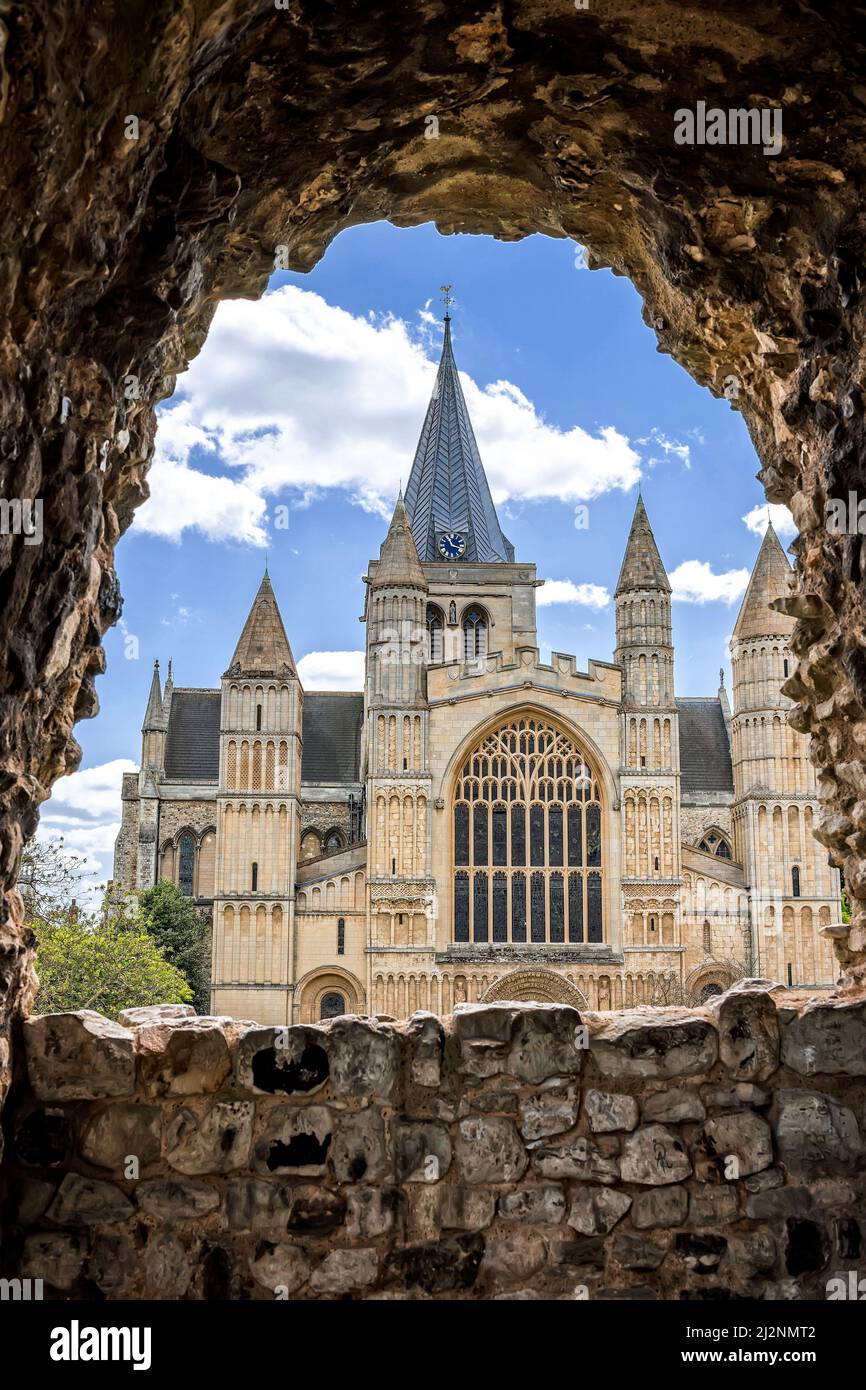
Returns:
(506,1151)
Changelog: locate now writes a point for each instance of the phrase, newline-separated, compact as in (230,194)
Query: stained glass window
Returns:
(186,864)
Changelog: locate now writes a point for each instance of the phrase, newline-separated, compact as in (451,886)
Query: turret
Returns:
(396,619)
(153,730)
(644,646)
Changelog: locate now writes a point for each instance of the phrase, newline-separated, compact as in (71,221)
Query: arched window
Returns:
(434,634)
(186,864)
(311,846)
(528,840)
(474,634)
(333,842)
(341,937)
(255,878)
(795,881)
(708,991)
(708,939)
(332,1005)
(714,842)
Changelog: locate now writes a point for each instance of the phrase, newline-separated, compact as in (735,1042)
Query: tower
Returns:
(258,820)
(649,752)
(792,886)
(153,732)
(396,723)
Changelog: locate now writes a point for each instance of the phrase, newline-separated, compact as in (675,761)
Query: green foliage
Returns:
(103,965)
(177,929)
(846,907)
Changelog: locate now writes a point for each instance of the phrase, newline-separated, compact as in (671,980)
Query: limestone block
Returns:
(576,1157)
(512,1257)
(422,1150)
(748,1025)
(364,1057)
(654,1042)
(274,1061)
(53,1257)
(88,1201)
(186,1057)
(607,1112)
(294,1141)
(532,1042)
(280,1267)
(209,1139)
(550,1111)
(661,1206)
(711,1205)
(148,1014)
(489,1149)
(465,1208)
(829,1037)
(637,1252)
(544,1204)
(596,1210)
(815,1134)
(426,1037)
(752,1254)
(373,1211)
(113,1264)
(743,1137)
(654,1156)
(672,1107)
(79,1056)
(176,1201)
(345,1271)
(122,1131)
(359,1152)
(251,1204)
(167,1269)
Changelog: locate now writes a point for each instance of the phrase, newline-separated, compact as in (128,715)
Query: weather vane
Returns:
(446,298)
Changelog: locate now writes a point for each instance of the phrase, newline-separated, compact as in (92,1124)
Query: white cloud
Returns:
(292,395)
(694,582)
(84,808)
(332,671)
(783,522)
(675,448)
(565,591)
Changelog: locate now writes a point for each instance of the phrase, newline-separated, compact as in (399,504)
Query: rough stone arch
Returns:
(535,985)
(552,120)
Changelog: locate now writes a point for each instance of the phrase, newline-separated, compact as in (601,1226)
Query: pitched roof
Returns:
(263,647)
(447,488)
(192,745)
(642,566)
(398,558)
(332,736)
(769,580)
(705,753)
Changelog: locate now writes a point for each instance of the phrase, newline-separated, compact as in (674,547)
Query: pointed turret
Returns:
(263,647)
(154,717)
(399,565)
(642,566)
(769,581)
(447,497)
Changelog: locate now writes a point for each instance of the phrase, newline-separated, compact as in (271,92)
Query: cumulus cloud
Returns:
(84,809)
(292,395)
(670,448)
(694,582)
(783,522)
(332,671)
(566,591)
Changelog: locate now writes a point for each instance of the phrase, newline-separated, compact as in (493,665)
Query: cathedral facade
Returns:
(478,823)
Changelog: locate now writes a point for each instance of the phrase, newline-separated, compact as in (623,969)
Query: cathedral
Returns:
(478,823)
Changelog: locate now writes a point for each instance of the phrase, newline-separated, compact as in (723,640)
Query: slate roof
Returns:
(263,647)
(768,581)
(192,745)
(705,753)
(642,566)
(447,488)
(332,736)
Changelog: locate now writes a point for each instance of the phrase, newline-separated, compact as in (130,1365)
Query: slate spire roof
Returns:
(642,566)
(263,646)
(447,488)
(398,558)
(769,581)
(154,717)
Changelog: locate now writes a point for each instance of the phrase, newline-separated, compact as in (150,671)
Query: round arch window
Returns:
(709,991)
(332,1005)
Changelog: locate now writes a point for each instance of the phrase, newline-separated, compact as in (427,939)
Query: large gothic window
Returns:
(434,634)
(186,864)
(474,633)
(528,842)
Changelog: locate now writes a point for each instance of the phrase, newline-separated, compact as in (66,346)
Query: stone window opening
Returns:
(527,849)
(186,864)
(475,631)
(715,843)
(332,1005)
(258,718)
(341,937)
(333,842)
(795,881)
(434,634)
(255,877)
(708,940)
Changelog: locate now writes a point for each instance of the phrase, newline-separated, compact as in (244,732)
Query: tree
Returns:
(49,879)
(106,965)
(177,929)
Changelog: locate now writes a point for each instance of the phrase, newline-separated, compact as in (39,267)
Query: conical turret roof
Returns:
(447,488)
(154,717)
(263,647)
(642,566)
(398,563)
(769,581)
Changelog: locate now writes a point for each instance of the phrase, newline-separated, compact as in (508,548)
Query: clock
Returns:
(452,545)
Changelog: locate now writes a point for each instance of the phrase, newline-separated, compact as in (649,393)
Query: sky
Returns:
(290,433)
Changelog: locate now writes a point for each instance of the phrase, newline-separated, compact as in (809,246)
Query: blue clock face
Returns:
(452,544)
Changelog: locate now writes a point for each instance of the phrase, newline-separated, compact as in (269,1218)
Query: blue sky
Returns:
(289,435)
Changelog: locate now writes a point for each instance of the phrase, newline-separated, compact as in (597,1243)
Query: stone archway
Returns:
(535,986)
(318,991)
(232,139)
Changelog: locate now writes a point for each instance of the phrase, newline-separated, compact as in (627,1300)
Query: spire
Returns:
(447,488)
(169,686)
(263,647)
(769,581)
(398,564)
(642,566)
(155,715)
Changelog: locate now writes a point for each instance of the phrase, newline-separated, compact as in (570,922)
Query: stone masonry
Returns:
(506,1151)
